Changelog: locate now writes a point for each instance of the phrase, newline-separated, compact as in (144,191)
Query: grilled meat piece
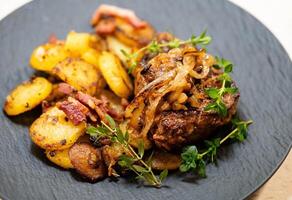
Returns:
(74,110)
(173,129)
(88,161)
(180,117)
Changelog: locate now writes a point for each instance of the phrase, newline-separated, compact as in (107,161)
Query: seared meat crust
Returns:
(173,129)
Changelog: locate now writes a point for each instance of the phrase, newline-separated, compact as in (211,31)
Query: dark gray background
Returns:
(262,71)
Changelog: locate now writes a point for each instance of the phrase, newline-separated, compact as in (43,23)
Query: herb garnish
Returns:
(194,160)
(155,47)
(216,94)
(133,160)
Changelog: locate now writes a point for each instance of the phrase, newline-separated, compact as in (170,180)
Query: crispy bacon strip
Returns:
(101,106)
(74,110)
(92,103)
(65,88)
(79,105)
(109,10)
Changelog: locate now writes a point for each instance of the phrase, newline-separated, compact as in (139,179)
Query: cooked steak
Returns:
(172,129)
(177,79)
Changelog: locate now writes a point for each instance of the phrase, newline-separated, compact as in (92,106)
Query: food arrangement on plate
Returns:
(129,100)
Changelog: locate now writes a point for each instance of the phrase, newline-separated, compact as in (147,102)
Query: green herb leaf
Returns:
(125,161)
(133,65)
(195,161)
(126,136)
(111,121)
(154,47)
(225,77)
(174,43)
(149,159)
(221,108)
(212,92)
(92,131)
(241,130)
(163,175)
(183,167)
(228,68)
(217,106)
(223,64)
(97,132)
(201,168)
(127,55)
(120,136)
(212,146)
(133,161)
(201,39)
(189,159)
(217,94)
(141,149)
(211,106)
(231,90)
(140,169)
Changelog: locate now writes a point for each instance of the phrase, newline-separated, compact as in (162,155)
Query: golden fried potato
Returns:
(115,46)
(164,160)
(53,131)
(46,56)
(60,158)
(27,95)
(91,56)
(115,75)
(79,74)
(78,43)
(131,36)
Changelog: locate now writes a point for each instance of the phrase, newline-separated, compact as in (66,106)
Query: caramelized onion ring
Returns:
(189,59)
(203,74)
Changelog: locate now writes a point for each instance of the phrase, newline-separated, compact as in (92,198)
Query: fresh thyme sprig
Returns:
(216,94)
(194,160)
(132,160)
(155,47)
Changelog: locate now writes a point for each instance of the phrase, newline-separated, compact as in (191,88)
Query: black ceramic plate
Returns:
(263,72)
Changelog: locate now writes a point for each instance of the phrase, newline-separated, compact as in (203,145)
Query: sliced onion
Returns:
(152,93)
(203,74)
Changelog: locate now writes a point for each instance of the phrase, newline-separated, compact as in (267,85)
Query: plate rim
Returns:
(275,169)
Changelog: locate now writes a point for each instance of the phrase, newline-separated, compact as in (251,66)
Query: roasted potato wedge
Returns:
(115,46)
(78,43)
(60,158)
(79,74)
(53,131)
(27,95)
(91,56)
(114,74)
(164,160)
(46,56)
(87,160)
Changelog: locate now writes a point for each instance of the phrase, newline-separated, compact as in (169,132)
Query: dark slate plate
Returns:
(263,72)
